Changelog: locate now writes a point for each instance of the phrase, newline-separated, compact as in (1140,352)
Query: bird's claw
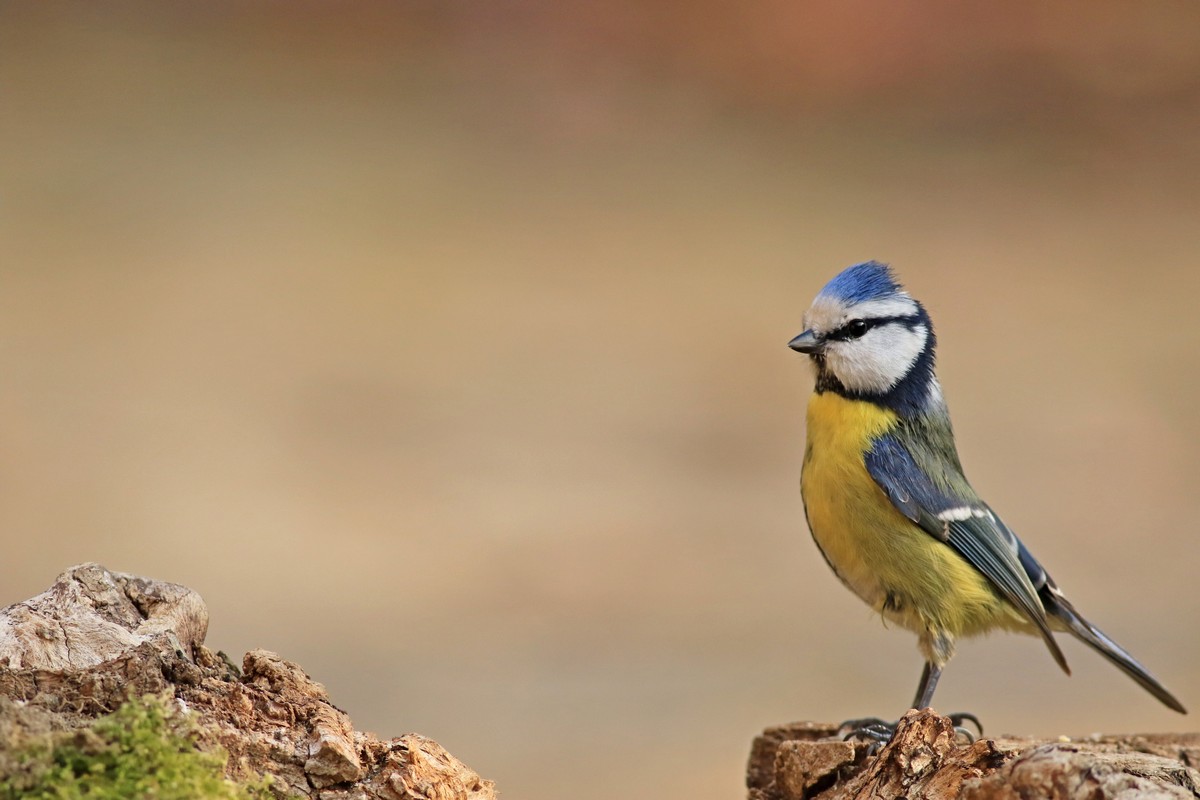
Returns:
(957,719)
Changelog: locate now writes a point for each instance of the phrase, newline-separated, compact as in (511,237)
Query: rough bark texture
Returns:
(926,760)
(79,648)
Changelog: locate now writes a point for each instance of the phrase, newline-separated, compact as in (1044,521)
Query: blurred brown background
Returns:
(441,347)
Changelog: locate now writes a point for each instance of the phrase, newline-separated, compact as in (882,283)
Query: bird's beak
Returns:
(807,342)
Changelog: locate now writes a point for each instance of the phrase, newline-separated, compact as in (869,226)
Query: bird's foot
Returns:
(872,730)
(878,732)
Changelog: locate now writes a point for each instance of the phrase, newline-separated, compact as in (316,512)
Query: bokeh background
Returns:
(441,347)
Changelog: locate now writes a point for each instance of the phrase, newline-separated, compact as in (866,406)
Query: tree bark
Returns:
(926,760)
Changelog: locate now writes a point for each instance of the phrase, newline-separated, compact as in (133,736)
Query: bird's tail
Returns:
(1060,608)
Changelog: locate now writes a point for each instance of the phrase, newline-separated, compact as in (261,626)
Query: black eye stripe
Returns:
(856,328)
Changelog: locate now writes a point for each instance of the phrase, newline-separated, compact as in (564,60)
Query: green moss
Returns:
(146,749)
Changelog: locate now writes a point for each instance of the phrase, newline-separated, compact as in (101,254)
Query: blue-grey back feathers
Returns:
(911,491)
(960,519)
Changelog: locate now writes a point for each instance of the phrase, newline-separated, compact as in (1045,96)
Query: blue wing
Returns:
(967,525)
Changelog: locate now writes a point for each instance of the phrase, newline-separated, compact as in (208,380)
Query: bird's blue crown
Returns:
(870,280)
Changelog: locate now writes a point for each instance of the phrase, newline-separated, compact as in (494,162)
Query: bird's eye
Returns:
(856,328)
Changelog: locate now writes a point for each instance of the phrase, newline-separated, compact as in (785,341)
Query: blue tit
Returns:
(886,499)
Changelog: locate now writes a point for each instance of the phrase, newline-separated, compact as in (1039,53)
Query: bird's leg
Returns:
(929,680)
(880,731)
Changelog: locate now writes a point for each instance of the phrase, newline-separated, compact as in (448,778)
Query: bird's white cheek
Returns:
(877,361)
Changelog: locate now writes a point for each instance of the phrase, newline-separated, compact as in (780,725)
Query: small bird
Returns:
(886,499)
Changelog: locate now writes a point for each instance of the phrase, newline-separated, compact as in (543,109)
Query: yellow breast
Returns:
(894,566)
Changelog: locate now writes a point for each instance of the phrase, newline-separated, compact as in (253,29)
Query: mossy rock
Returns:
(147,748)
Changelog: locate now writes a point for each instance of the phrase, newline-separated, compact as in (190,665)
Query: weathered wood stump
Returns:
(925,760)
(83,646)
